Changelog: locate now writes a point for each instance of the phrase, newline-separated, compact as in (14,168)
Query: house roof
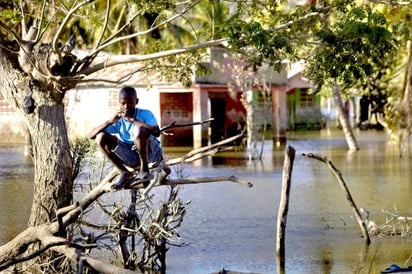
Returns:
(298,81)
(296,78)
(126,74)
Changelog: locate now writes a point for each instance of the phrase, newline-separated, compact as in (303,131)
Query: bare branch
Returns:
(13,33)
(390,2)
(43,9)
(118,81)
(174,125)
(205,149)
(98,48)
(149,30)
(36,253)
(397,216)
(109,61)
(106,20)
(291,22)
(62,26)
(342,183)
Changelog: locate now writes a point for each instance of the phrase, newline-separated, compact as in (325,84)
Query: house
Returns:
(304,107)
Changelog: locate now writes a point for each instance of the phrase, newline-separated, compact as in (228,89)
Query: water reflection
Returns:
(229,225)
(16,179)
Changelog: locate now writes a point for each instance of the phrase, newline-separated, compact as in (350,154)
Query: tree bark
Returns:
(344,119)
(47,128)
(251,127)
(53,167)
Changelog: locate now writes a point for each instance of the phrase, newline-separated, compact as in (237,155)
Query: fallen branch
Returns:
(394,225)
(204,150)
(397,216)
(342,183)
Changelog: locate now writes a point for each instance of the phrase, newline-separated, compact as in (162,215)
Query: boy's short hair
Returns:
(128,91)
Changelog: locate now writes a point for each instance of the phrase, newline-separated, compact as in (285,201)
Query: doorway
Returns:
(217,126)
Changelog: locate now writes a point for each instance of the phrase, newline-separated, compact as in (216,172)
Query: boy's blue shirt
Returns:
(125,128)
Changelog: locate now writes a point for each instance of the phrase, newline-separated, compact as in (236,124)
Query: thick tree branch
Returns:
(36,253)
(201,180)
(109,61)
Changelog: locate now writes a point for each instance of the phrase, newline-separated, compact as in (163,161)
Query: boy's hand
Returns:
(116,117)
(133,119)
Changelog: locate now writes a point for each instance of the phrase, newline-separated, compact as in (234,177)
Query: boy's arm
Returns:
(103,126)
(98,129)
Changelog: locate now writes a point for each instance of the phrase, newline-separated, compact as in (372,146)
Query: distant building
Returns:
(304,107)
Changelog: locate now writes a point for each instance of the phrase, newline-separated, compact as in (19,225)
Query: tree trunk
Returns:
(344,119)
(53,167)
(47,128)
(251,127)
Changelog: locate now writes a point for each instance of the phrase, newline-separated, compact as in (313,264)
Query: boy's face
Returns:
(127,104)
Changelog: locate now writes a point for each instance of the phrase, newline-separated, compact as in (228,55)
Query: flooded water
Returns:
(228,225)
(16,192)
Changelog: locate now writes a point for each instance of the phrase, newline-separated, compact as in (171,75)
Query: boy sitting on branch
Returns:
(129,139)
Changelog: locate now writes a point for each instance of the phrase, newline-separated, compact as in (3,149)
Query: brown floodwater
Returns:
(228,225)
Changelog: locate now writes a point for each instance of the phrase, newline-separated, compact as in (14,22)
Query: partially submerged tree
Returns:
(396,84)
(355,44)
(254,87)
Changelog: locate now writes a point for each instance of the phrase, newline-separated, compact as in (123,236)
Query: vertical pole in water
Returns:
(283,207)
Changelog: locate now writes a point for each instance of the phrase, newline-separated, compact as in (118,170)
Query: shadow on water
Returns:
(229,225)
